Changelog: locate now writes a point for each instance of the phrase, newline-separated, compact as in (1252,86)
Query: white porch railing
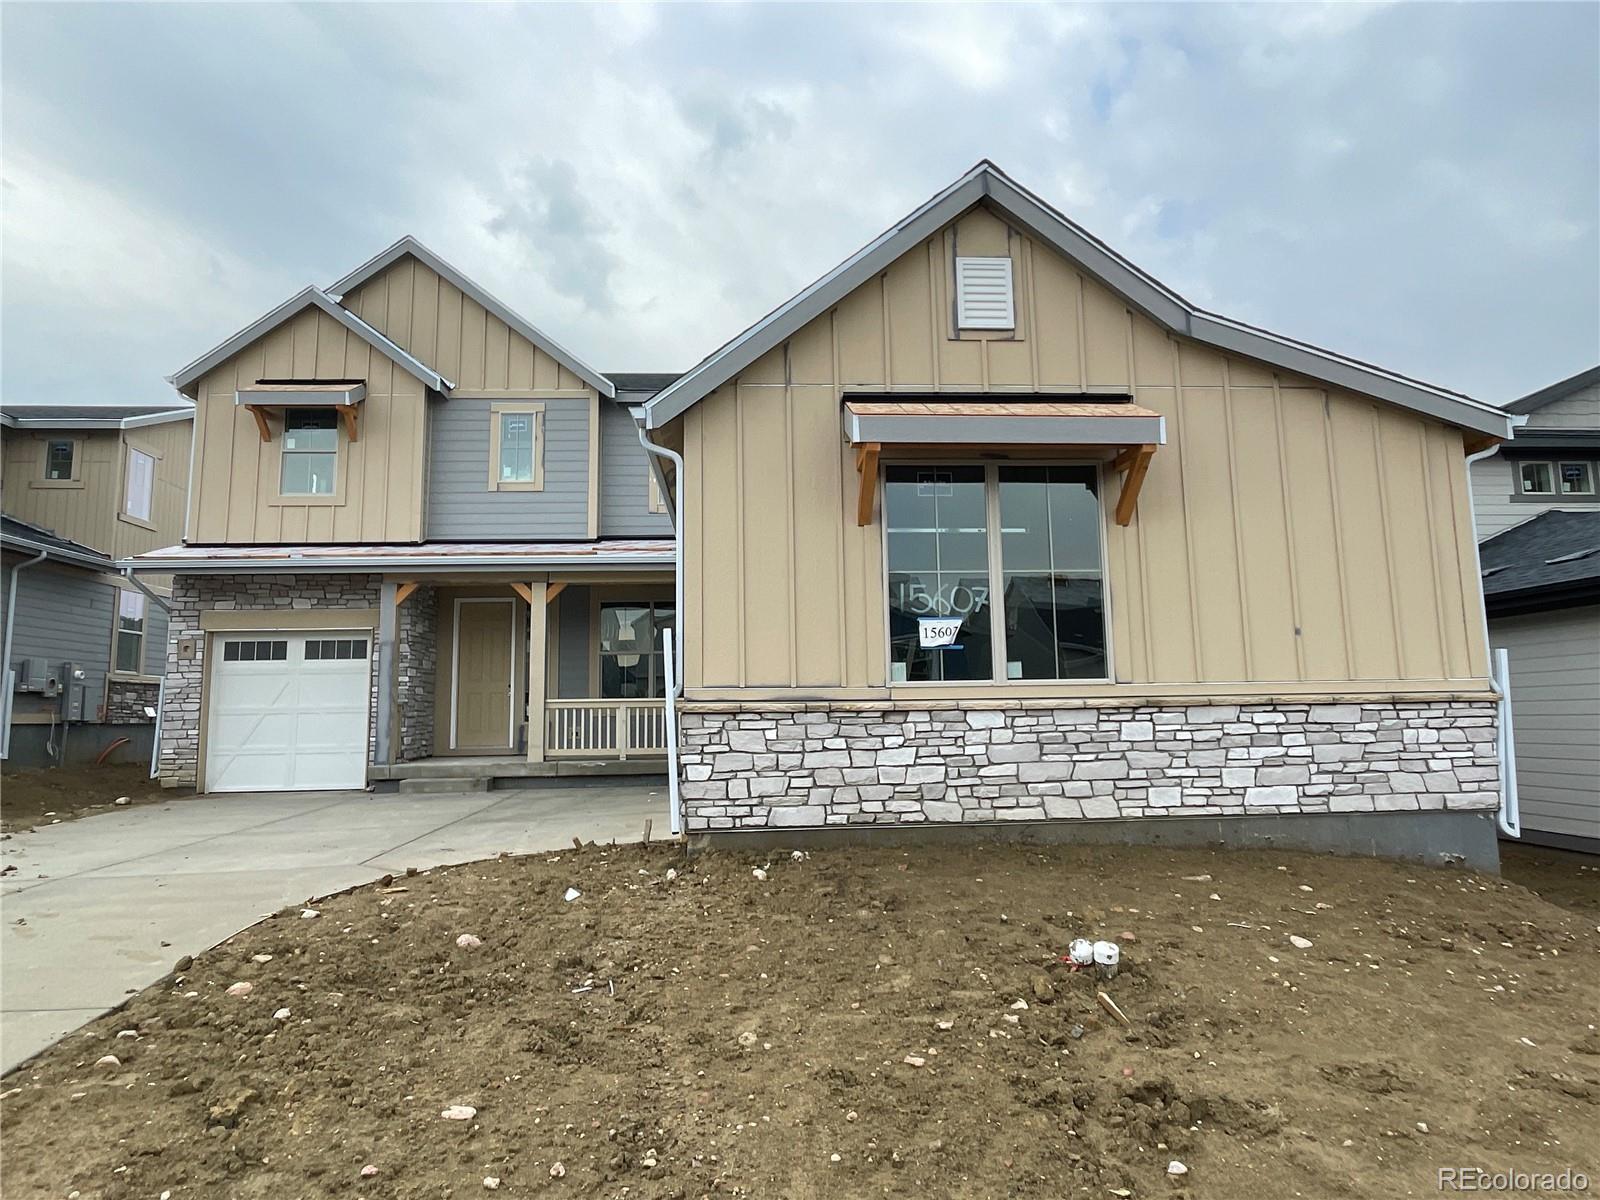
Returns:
(605,728)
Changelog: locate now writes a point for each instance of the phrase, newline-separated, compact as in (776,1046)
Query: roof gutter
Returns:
(373,564)
(94,562)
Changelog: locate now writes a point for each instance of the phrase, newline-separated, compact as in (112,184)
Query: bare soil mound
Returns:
(857,1023)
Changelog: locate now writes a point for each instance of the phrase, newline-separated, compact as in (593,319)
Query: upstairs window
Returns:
(139,484)
(983,294)
(1569,478)
(310,458)
(516,450)
(128,653)
(59,460)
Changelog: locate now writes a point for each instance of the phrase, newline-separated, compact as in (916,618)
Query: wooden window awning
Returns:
(1125,432)
(262,399)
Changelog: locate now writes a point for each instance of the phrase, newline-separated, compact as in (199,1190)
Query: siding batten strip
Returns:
(1180,408)
(1288,527)
(838,523)
(1242,576)
(1340,562)
(1402,669)
(1433,555)
(788,484)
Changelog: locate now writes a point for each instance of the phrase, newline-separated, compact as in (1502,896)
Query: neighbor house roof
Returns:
(93,416)
(293,306)
(409,245)
(440,557)
(28,539)
(1534,401)
(1549,562)
(986,182)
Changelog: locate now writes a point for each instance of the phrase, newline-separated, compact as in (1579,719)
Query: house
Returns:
(84,646)
(1539,513)
(424,548)
(988,526)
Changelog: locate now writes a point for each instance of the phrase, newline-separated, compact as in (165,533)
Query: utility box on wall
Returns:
(74,692)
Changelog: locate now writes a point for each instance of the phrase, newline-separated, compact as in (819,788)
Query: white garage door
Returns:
(288,711)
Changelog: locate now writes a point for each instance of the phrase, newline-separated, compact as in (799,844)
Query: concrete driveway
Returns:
(100,908)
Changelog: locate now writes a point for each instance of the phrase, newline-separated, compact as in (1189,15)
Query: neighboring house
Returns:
(423,544)
(83,487)
(988,526)
(1537,506)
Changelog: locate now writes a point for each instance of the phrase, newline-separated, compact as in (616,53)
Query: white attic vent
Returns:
(983,294)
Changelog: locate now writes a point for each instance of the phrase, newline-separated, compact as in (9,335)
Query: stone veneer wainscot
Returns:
(856,765)
(194,594)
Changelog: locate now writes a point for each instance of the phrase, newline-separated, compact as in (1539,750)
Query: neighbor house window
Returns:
(310,457)
(58,460)
(139,485)
(129,650)
(658,502)
(994,573)
(631,662)
(515,452)
(1556,478)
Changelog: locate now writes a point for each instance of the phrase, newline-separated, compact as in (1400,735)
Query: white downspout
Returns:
(1509,815)
(5,663)
(674,645)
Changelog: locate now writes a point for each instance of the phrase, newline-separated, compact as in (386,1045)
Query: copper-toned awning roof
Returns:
(1117,428)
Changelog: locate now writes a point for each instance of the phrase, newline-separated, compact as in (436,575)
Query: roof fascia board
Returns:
(409,245)
(1534,401)
(93,423)
(789,318)
(60,554)
(291,307)
(149,565)
(1157,301)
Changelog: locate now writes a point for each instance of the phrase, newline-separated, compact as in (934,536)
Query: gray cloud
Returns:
(1417,184)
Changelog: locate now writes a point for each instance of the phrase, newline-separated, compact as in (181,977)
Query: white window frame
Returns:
(131,457)
(125,597)
(1589,469)
(997,666)
(74,478)
(497,412)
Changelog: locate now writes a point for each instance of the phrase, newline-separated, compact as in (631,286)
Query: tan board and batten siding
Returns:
(92,514)
(235,494)
(1288,535)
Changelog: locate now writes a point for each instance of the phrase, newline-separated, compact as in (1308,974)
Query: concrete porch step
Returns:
(412,787)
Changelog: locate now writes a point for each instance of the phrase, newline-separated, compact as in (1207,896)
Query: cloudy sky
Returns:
(1417,185)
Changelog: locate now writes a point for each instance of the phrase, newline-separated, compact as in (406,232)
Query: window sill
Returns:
(131,677)
(334,501)
(138,521)
(55,483)
(1554,498)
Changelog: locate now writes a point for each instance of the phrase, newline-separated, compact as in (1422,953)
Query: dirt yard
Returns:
(29,799)
(1564,877)
(857,1023)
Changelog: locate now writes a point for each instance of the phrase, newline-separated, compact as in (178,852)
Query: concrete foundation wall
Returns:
(1031,762)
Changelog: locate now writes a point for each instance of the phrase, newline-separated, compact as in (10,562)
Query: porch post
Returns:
(384,664)
(538,626)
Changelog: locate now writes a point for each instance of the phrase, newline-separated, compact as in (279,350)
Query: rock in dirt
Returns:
(368,1171)
(1197,879)
(281,1015)
(747,1038)
(569,896)
(108,1060)
(183,964)
(1075,1033)
(261,958)
(1298,942)
(491,1182)
(1176,1168)
(557,1170)
(123,801)
(459,1112)
(309,914)
(1043,990)
(226,1113)
(758,874)
(242,988)
(469,941)
(913,1060)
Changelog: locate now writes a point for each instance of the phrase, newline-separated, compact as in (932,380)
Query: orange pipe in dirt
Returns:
(100,759)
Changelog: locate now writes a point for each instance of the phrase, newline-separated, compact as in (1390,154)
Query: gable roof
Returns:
(1548,562)
(307,298)
(1151,297)
(1534,401)
(93,416)
(26,538)
(409,245)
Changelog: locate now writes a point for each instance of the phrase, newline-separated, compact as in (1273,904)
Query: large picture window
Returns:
(631,663)
(310,452)
(994,573)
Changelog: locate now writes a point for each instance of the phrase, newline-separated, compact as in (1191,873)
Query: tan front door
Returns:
(483,717)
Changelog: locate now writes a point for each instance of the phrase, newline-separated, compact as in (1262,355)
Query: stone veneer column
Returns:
(850,765)
(417,658)
(269,594)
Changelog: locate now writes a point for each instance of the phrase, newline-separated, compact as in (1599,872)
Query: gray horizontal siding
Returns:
(625,480)
(1581,410)
(460,505)
(572,644)
(64,615)
(1555,707)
